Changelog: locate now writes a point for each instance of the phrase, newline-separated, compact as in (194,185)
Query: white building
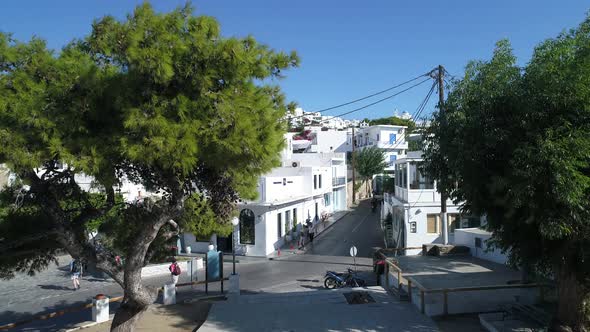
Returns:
(332,141)
(306,186)
(415,214)
(387,137)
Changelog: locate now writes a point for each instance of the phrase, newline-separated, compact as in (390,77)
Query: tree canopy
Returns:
(393,120)
(369,161)
(513,143)
(163,100)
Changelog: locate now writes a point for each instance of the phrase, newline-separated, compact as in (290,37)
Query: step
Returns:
(334,296)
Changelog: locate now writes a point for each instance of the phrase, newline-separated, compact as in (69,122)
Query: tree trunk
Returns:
(137,298)
(570,314)
(135,304)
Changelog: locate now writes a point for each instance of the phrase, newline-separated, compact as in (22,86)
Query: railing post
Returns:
(387,275)
(410,290)
(445,303)
(422,304)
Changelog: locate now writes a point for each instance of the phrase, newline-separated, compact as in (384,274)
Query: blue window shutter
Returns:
(392,138)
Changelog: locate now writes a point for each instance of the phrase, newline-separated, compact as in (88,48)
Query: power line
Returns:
(363,98)
(378,101)
(424,103)
(371,95)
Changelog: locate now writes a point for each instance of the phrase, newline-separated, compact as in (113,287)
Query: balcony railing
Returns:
(338,181)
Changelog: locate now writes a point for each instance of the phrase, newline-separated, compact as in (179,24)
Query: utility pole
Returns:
(442,189)
(353,169)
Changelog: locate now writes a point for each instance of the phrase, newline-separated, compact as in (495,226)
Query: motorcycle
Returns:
(373,205)
(338,280)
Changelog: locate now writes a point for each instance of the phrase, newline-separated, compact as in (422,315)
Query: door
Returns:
(392,138)
(316,211)
(224,244)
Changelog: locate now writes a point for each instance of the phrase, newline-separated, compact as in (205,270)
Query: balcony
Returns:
(400,145)
(338,181)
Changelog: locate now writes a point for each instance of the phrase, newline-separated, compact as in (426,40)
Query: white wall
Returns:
(422,236)
(332,141)
(466,237)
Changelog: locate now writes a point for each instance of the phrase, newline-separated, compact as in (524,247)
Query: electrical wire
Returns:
(378,101)
(371,95)
(422,105)
(363,98)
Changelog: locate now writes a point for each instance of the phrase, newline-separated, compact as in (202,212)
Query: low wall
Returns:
(161,269)
(460,302)
(197,246)
(467,237)
(473,301)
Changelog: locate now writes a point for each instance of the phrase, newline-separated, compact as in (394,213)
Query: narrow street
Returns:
(359,228)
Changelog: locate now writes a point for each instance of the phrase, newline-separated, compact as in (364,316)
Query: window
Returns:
(377,137)
(404,175)
(294,216)
(315,182)
(453,220)
(279,226)
(392,138)
(320,181)
(433,223)
(327,200)
(247,229)
(470,222)
(417,178)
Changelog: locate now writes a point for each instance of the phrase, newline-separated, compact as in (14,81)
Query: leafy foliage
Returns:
(394,121)
(161,100)
(514,144)
(370,161)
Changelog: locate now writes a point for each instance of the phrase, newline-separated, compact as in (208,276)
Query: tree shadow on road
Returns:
(55,287)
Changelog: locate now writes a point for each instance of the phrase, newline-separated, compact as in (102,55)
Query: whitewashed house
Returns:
(416,219)
(391,139)
(306,186)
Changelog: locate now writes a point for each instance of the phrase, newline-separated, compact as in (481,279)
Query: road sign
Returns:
(353,251)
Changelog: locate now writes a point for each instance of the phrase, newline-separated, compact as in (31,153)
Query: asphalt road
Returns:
(359,228)
(51,289)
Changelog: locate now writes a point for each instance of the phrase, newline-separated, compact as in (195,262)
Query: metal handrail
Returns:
(423,290)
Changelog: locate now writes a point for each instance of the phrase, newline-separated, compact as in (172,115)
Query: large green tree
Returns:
(158,99)
(513,144)
(368,162)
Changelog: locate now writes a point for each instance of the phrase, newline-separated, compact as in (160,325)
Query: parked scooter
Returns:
(373,205)
(338,280)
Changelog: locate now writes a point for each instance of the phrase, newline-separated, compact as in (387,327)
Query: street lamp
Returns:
(235,221)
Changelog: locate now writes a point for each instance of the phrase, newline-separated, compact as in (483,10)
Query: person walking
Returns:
(311,231)
(76,272)
(303,235)
(174,271)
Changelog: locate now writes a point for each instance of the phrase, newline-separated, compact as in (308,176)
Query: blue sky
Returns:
(348,49)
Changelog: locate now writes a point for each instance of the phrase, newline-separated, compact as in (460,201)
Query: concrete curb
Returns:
(86,324)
